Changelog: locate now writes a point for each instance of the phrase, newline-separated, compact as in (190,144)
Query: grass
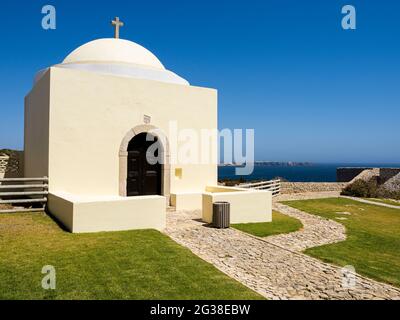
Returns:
(280,224)
(387,201)
(373,237)
(141,264)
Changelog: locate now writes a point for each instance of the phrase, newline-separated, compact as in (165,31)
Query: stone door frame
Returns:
(165,155)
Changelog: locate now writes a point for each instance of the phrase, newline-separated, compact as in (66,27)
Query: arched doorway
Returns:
(143,178)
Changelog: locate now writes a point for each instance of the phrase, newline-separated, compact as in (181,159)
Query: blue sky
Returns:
(311,90)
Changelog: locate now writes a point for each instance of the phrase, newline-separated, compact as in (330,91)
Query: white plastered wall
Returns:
(75,122)
(94,214)
(187,201)
(246,206)
(36,131)
(91,113)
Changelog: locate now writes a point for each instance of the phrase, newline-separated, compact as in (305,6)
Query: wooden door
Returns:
(143,178)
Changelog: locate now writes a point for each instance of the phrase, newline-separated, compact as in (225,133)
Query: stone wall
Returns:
(388,179)
(348,174)
(300,187)
(367,175)
(386,174)
(352,174)
(393,183)
(11,165)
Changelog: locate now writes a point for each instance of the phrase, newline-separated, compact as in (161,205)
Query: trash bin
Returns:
(221,215)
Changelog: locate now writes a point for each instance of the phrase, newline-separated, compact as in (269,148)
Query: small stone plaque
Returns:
(146,119)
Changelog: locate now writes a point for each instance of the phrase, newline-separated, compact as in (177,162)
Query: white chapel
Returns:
(87,123)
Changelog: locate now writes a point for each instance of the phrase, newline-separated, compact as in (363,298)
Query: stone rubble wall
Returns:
(387,178)
(367,175)
(388,174)
(348,174)
(393,184)
(352,174)
(302,187)
(11,165)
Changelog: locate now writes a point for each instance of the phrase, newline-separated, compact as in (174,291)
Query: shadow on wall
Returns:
(350,175)
(11,164)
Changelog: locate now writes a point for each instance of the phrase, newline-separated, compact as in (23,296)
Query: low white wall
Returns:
(62,209)
(95,214)
(187,201)
(247,206)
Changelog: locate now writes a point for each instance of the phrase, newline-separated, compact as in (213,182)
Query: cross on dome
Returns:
(117,24)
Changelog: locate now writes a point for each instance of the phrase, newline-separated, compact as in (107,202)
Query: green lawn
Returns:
(280,224)
(373,237)
(115,265)
(387,201)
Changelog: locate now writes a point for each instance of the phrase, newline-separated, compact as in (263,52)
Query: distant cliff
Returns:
(273,164)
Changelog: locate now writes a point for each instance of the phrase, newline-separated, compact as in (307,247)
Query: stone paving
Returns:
(273,268)
(316,231)
(382,204)
(307,195)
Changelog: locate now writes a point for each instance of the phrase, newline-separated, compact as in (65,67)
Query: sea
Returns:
(310,173)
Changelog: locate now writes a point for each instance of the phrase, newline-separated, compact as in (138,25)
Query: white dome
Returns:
(120,58)
(114,51)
